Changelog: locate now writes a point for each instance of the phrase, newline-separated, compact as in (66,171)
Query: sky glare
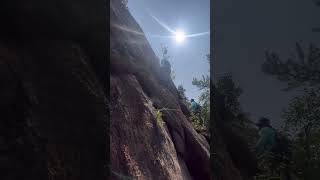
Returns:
(190,21)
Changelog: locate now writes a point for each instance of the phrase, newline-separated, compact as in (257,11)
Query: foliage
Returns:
(203,83)
(160,118)
(165,62)
(165,54)
(204,86)
(197,124)
(204,98)
(159,115)
(182,92)
(231,93)
(173,74)
(301,70)
(300,154)
(273,166)
(183,96)
(124,3)
(205,113)
(302,115)
(303,112)
(266,172)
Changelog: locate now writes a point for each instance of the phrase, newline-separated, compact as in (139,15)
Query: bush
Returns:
(160,118)
(197,124)
(125,3)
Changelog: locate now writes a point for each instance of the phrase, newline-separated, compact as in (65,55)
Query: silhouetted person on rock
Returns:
(272,147)
(267,137)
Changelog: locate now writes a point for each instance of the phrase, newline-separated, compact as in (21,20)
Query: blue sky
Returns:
(187,59)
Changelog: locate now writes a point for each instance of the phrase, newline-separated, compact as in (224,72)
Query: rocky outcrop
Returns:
(144,146)
(57,110)
(53,90)
(55,99)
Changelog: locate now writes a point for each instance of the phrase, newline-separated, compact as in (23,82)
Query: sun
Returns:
(180,36)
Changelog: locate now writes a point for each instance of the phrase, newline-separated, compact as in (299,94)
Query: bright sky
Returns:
(182,17)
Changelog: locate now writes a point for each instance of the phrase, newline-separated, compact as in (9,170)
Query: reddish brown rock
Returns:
(142,146)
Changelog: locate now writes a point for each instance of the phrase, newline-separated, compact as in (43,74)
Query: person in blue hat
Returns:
(267,138)
(196,110)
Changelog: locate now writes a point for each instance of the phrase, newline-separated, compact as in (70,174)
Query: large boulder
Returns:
(54,91)
(144,146)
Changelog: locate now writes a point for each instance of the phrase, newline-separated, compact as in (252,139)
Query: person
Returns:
(272,147)
(195,107)
(267,138)
(196,110)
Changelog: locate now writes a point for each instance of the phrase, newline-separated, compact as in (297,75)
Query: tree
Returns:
(303,117)
(124,3)
(231,93)
(173,74)
(165,55)
(182,91)
(183,96)
(204,98)
(165,64)
(204,86)
(303,112)
(301,70)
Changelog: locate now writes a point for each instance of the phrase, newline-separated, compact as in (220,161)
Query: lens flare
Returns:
(180,36)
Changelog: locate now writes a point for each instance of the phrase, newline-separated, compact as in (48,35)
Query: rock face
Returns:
(55,111)
(53,90)
(55,100)
(144,146)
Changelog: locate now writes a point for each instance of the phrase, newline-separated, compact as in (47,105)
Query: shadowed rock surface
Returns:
(53,70)
(55,98)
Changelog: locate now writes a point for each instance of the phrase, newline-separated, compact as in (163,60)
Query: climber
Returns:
(267,138)
(275,147)
(196,110)
(195,107)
